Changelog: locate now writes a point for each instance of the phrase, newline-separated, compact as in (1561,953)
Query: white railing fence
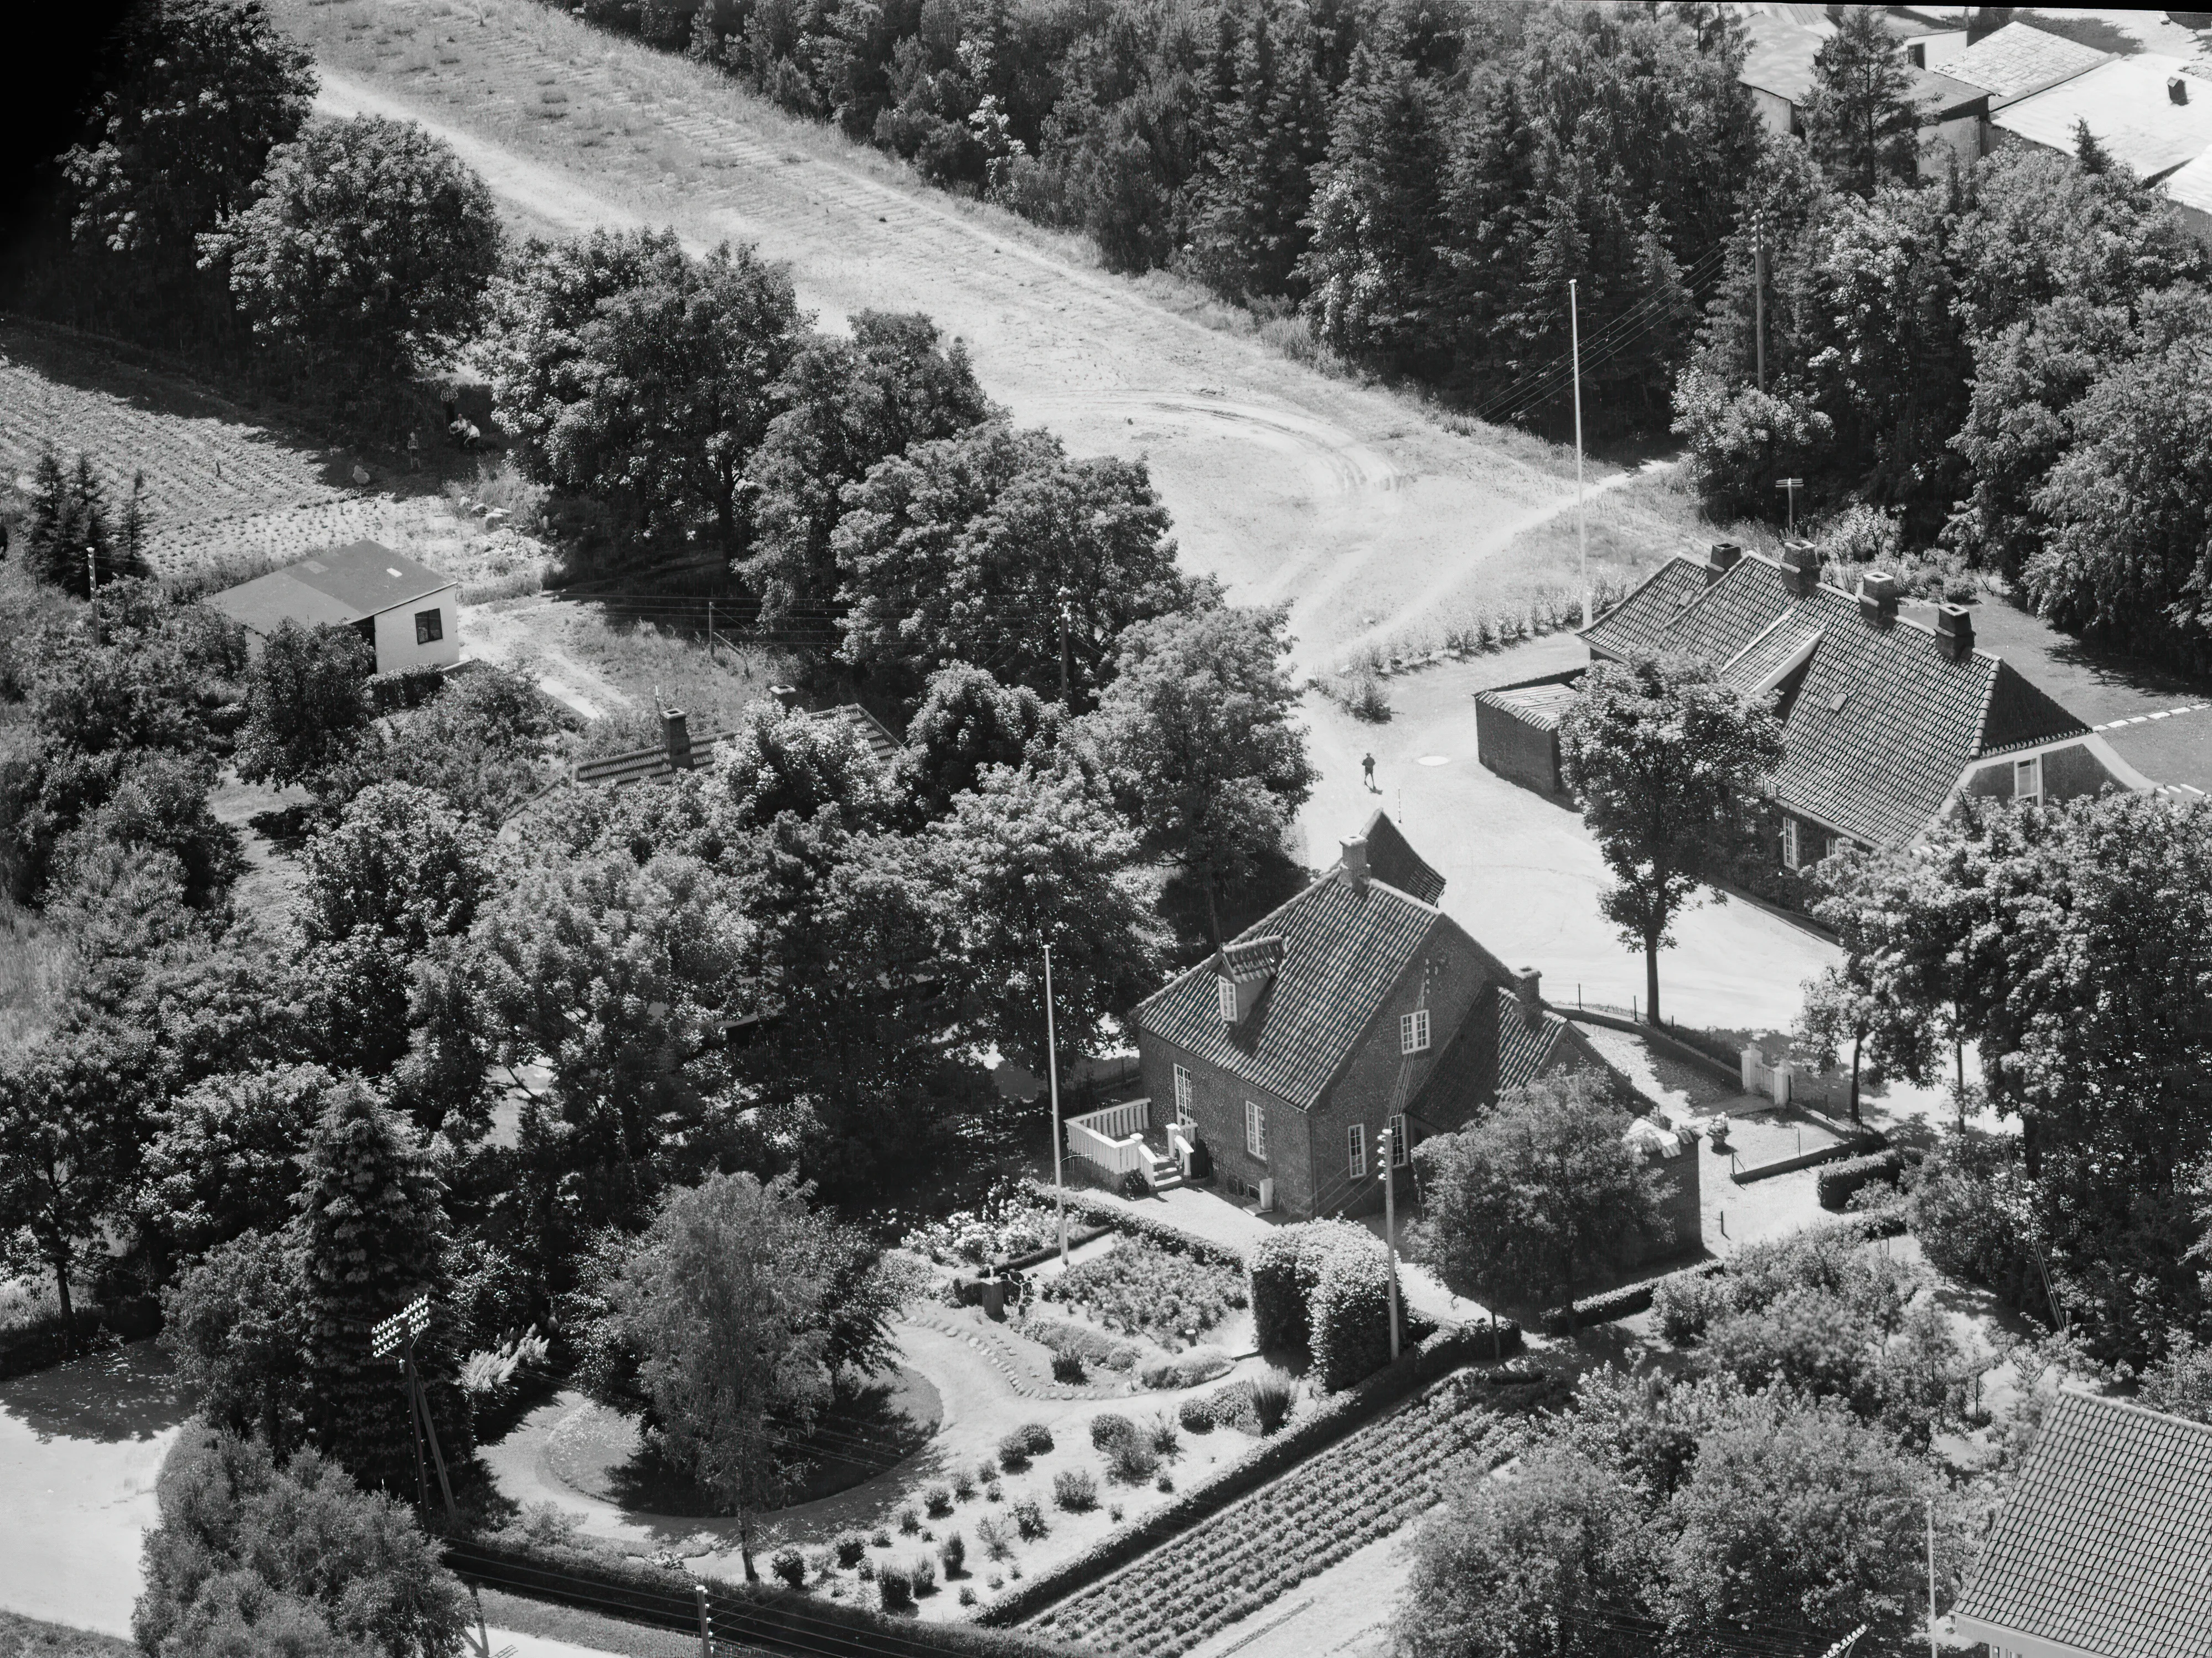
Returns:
(1113,1137)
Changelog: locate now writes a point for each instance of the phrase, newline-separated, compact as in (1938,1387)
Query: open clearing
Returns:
(1351,503)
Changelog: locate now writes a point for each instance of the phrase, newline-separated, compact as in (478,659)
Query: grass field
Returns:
(28,1638)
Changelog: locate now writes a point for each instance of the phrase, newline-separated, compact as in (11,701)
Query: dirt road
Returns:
(1289,484)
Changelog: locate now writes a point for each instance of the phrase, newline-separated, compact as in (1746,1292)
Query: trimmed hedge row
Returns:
(1839,1180)
(1122,1219)
(1443,1352)
(406,688)
(769,1617)
(1625,1301)
(1324,1286)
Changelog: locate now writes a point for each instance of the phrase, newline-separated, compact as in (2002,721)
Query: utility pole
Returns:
(1052,1065)
(1387,1146)
(92,586)
(397,1333)
(1759,276)
(1066,662)
(1931,1578)
(1582,519)
(710,630)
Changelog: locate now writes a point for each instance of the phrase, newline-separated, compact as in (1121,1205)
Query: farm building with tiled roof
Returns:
(1887,716)
(2103,1549)
(1356,1003)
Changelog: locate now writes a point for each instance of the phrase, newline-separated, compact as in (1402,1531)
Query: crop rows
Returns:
(1228,1567)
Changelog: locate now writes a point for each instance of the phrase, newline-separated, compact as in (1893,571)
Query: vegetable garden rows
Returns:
(1230,1566)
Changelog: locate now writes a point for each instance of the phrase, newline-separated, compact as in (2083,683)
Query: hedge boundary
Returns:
(1431,1360)
(1837,1184)
(1166,1235)
(769,1618)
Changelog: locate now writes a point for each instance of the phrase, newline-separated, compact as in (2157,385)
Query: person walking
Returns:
(1368,767)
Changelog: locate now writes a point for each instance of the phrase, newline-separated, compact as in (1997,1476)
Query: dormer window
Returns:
(1228,1001)
(1413,1031)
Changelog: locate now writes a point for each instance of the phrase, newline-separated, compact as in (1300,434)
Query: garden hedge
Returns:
(767,1617)
(1839,1180)
(1122,1218)
(1625,1301)
(1348,1317)
(1291,1308)
(1437,1356)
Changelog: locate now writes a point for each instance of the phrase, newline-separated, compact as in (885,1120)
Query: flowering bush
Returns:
(1140,1289)
(1074,1491)
(1008,1222)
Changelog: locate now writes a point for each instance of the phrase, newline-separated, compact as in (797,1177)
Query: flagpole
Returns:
(1582,519)
(1052,1065)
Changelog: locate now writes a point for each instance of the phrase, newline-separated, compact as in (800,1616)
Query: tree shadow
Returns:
(128,1393)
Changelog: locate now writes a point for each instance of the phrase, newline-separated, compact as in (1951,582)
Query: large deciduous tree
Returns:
(306,699)
(631,372)
(994,547)
(367,249)
(1521,1206)
(1197,734)
(1659,752)
(233,1321)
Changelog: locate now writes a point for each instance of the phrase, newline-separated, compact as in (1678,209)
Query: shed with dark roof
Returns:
(409,612)
(2103,1549)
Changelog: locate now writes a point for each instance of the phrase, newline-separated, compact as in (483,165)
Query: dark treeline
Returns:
(1418,179)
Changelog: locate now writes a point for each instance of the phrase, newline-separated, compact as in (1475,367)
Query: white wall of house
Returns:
(1778,112)
(2012,1644)
(397,645)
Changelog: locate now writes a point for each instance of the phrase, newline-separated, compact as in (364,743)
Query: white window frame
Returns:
(1183,1096)
(1400,1153)
(1793,846)
(1355,1149)
(1256,1129)
(2028,771)
(1228,1001)
(1413,1031)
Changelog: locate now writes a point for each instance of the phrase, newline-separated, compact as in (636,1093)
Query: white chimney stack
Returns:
(1354,861)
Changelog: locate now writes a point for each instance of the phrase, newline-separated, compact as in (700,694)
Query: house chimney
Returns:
(1800,567)
(1878,595)
(1353,866)
(1531,992)
(1954,631)
(787,694)
(675,738)
(1721,559)
(2177,88)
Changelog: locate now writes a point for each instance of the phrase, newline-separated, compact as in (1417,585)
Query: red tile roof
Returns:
(1391,860)
(2106,1543)
(1878,723)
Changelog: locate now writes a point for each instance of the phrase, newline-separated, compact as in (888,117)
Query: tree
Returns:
(1800,1516)
(232,1321)
(968,722)
(69,1143)
(369,1237)
(846,406)
(992,546)
(224,1158)
(306,699)
(70,539)
(1860,121)
(1196,730)
(252,1557)
(1522,1205)
(396,873)
(1558,1561)
(632,373)
(726,1298)
(367,249)
(204,91)
(1659,752)
(1028,859)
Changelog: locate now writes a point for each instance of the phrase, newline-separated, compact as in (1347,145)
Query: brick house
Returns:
(2103,1549)
(1887,715)
(1357,1002)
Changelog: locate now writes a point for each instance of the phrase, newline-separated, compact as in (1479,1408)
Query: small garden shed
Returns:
(1516,730)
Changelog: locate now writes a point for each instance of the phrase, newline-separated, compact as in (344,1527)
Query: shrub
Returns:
(867,1571)
(909,1520)
(1030,1520)
(963,1487)
(880,1538)
(895,1586)
(1109,1429)
(922,1574)
(953,1552)
(1036,1438)
(1161,1436)
(851,1548)
(788,1563)
(992,1536)
(1166,1482)
(1278,1301)
(1138,1287)
(1074,1491)
(1114,1514)
(1133,1185)
(1287,1271)
(1230,1407)
(1349,1313)
(994,1492)
(1133,1462)
(938,1499)
(1687,1303)
(1068,1368)
(1013,1453)
(1840,1181)
(1200,1364)
(1196,1415)
(1272,1395)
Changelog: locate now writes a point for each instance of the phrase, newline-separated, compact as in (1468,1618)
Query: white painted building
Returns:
(408,611)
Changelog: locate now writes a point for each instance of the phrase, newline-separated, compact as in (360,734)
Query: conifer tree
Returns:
(1860,121)
(69,515)
(369,1237)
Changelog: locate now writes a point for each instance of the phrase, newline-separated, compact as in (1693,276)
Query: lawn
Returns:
(29,1638)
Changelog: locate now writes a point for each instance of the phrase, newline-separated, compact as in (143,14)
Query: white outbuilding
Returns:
(408,611)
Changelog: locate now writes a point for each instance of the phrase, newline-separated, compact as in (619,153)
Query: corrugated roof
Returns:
(2020,58)
(2106,1543)
(1540,705)
(2126,102)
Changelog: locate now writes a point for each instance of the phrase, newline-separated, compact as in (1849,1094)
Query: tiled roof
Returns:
(2106,1543)
(1522,1046)
(1638,625)
(1252,958)
(2019,58)
(1540,705)
(1343,948)
(1779,57)
(1391,860)
(1882,722)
